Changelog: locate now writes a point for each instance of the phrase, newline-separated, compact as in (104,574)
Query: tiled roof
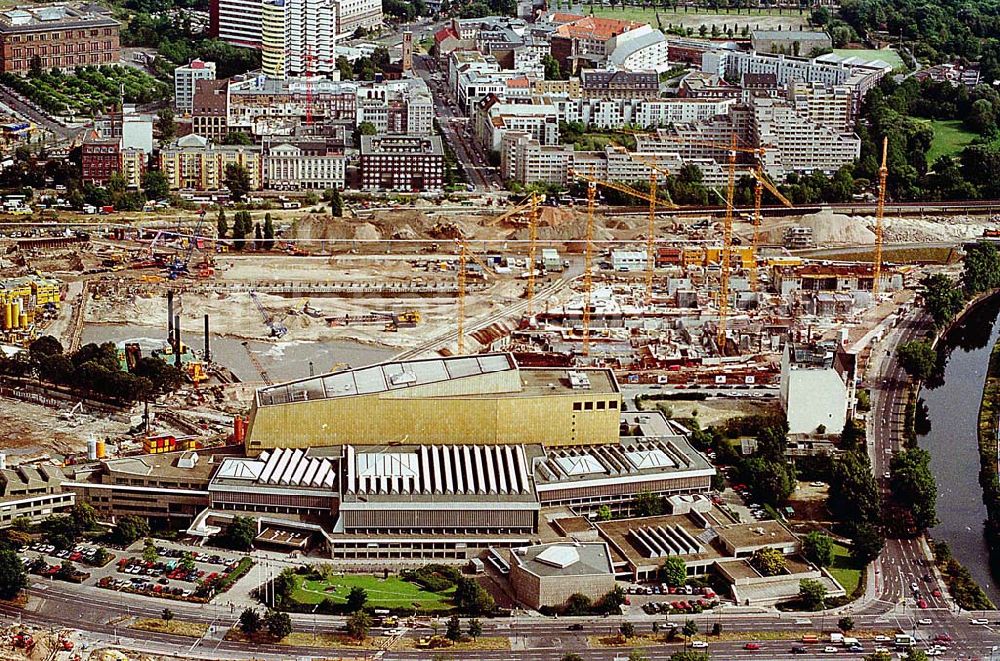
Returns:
(593,27)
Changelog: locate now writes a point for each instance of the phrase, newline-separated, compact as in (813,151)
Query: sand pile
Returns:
(829,229)
(367,232)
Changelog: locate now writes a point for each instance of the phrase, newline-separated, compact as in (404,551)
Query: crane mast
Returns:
(587,259)
(883,173)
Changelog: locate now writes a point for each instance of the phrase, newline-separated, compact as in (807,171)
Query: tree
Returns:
(167,615)
(627,630)
(237,138)
(854,496)
(572,656)
(358,625)
(878,656)
(128,529)
(453,632)
(13,577)
(916,655)
(689,655)
(673,571)
(356,599)
(818,548)
(279,624)
(552,69)
(812,593)
(149,553)
(155,185)
(242,226)
(221,226)
(268,232)
(772,481)
(690,630)
(475,628)
(367,128)
(250,621)
(914,487)
(258,237)
(336,204)
(165,125)
(845,624)
(84,516)
(648,504)
(237,180)
(46,345)
(613,600)
(768,561)
(472,598)
(240,534)
(578,604)
(867,543)
(942,299)
(604,513)
(918,358)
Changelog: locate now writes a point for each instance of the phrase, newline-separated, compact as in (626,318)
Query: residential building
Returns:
(468,62)
(31,492)
(641,49)
(237,22)
(549,574)
(493,119)
(956,74)
(354,14)
(263,106)
(624,261)
(196,162)
(611,84)
(817,388)
(397,106)
(828,105)
(585,41)
(298,38)
(185,78)
(568,88)
(100,158)
(618,113)
(307,163)
(485,399)
(800,43)
(57,36)
(209,109)
(701,85)
(796,143)
(527,161)
(133,166)
(402,163)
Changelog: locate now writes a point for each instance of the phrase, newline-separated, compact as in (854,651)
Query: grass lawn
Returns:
(175,627)
(845,570)
(950,137)
(767,18)
(887,55)
(388,593)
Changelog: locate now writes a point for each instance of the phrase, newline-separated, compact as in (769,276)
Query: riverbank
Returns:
(989,427)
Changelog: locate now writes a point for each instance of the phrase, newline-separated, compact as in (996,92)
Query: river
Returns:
(283,360)
(953,411)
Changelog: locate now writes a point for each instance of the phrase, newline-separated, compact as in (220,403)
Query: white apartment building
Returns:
(302,165)
(628,260)
(541,122)
(616,113)
(237,22)
(473,86)
(241,22)
(298,38)
(641,49)
(463,61)
(524,160)
(185,77)
(829,105)
(798,144)
(397,106)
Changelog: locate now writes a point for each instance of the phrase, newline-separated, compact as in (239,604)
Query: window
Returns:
(613,404)
(600,406)
(588,406)
(577,406)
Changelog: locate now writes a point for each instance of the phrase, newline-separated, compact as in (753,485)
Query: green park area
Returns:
(766,18)
(845,569)
(950,138)
(87,90)
(386,593)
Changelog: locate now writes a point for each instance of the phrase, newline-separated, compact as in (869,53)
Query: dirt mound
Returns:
(447,230)
(404,232)
(555,216)
(828,228)
(367,232)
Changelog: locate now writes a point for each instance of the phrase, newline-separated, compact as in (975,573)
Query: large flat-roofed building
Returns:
(32,492)
(475,400)
(549,574)
(57,36)
(402,163)
(817,388)
(278,482)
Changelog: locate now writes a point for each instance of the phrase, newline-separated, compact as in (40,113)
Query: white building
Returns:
(298,37)
(524,160)
(539,121)
(617,113)
(303,165)
(817,388)
(643,48)
(238,22)
(626,261)
(185,77)
(354,14)
(829,105)
(397,106)
(798,144)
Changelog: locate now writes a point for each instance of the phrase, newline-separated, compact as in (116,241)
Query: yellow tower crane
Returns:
(883,173)
(529,205)
(761,182)
(588,259)
(464,254)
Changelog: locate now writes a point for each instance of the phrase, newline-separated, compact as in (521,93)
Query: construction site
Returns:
(662,295)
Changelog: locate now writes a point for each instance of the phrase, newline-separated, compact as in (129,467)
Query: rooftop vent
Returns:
(578,380)
(403,378)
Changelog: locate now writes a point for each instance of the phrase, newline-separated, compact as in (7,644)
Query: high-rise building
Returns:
(237,21)
(307,23)
(185,78)
(297,38)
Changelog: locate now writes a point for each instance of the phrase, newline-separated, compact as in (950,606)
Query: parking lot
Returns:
(176,573)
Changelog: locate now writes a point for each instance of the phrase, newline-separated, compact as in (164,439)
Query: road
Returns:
(32,112)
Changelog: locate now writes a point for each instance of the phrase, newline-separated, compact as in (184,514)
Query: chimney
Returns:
(177,340)
(208,349)
(170,315)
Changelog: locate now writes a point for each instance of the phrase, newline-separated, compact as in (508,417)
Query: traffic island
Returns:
(172,627)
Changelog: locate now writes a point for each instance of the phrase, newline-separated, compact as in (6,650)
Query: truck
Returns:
(904,641)
(849,642)
(837,638)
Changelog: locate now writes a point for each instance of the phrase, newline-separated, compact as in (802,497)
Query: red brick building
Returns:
(101,158)
(59,36)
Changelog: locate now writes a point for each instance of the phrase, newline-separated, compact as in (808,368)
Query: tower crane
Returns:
(760,183)
(531,206)
(883,173)
(651,230)
(464,254)
(588,258)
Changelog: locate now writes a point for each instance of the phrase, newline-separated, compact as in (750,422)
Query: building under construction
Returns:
(24,302)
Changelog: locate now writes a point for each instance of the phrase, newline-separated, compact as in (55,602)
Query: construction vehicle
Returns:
(408,319)
(278,330)
(178,267)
